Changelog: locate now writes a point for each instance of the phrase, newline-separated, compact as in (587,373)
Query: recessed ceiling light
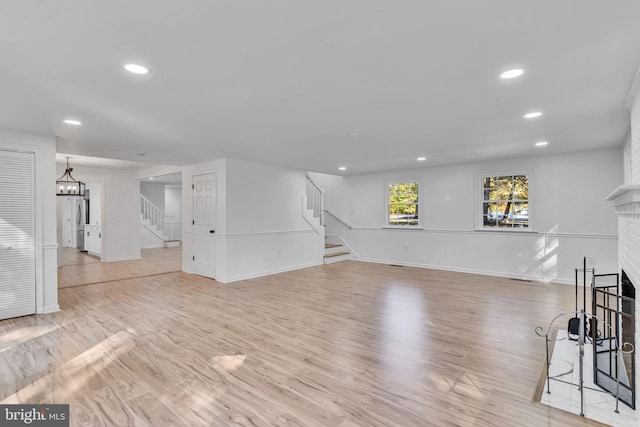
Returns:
(510,74)
(72,122)
(541,143)
(342,168)
(136,69)
(151,178)
(421,159)
(532,115)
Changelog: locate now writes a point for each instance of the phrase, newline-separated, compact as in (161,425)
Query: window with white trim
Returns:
(505,200)
(403,203)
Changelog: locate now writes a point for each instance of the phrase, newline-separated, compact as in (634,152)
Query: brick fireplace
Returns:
(626,202)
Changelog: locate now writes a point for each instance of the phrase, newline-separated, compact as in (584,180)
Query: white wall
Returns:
(263,198)
(173,201)
(261,229)
(44,148)
(266,232)
(120,210)
(627,162)
(148,239)
(571,218)
(154,192)
(156,170)
(173,210)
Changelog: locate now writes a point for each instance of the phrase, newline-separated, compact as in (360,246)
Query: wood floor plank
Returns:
(80,268)
(345,344)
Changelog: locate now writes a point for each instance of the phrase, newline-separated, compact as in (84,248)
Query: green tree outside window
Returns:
(402,203)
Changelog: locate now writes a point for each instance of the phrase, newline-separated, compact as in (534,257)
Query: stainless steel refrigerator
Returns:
(82,218)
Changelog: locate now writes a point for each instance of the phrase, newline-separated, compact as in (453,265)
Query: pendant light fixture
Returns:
(67,186)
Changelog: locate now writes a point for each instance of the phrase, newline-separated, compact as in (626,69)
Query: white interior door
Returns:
(204,224)
(17,241)
(67,226)
(69,221)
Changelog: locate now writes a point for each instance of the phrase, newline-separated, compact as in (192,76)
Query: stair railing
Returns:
(315,199)
(340,220)
(153,214)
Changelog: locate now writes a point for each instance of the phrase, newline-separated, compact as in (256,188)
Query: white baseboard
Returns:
(267,273)
(560,280)
(50,309)
(122,259)
(152,246)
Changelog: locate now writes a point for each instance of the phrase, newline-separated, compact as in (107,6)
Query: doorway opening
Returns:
(81,218)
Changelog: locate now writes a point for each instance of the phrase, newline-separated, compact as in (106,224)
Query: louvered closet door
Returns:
(17,248)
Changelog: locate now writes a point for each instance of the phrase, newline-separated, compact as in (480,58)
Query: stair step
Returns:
(336,254)
(331,245)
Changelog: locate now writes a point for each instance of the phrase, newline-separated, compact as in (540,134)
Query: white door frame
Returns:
(204,237)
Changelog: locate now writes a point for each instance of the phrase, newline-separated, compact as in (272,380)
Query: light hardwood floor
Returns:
(346,344)
(80,268)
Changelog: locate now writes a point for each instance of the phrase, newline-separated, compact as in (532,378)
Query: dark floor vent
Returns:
(396,265)
(520,280)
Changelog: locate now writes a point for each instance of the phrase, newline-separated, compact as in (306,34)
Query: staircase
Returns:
(335,252)
(154,220)
(313,212)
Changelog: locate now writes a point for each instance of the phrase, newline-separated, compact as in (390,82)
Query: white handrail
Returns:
(315,199)
(153,214)
(345,223)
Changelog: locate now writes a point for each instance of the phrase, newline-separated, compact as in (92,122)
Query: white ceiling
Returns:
(368,84)
(172,179)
